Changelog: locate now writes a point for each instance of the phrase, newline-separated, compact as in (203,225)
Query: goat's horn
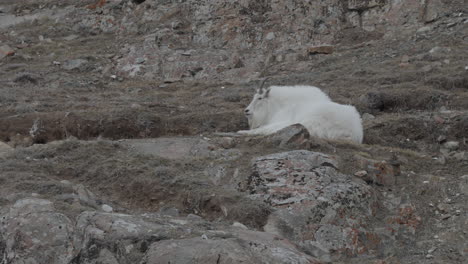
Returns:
(263,83)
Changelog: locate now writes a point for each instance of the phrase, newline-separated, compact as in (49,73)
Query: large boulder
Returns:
(234,246)
(36,234)
(322,210)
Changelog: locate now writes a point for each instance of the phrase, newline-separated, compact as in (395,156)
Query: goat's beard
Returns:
(253,122)
(250,121)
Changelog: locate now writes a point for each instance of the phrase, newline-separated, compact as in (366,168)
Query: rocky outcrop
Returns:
(35,233)
(324,211)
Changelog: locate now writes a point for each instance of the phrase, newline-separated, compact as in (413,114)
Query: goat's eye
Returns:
(259,98)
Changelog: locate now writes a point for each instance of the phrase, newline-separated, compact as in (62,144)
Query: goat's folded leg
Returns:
(265,130)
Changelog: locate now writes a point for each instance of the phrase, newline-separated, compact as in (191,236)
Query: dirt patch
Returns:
(46,127)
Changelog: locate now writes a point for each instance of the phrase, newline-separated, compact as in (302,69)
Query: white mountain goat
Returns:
(277,107)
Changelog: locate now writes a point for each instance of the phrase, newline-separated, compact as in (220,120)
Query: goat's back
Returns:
(299,93)
(333,121)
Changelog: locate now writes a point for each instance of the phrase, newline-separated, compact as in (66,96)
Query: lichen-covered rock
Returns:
(122,237)
(321,209)
(36,234)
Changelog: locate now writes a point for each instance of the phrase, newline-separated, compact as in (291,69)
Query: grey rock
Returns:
(241,246)
(464,184)
(106,208)
(169,211)
(86,197)
(376,101)
(451,145)
(26,78)
(5,149)
(270,36)
(125,235)
(367,116)
(74,64)
(379,172)
(228,142)
(295,135)
(35,233)
(311,197)
(461,156)
(424,29)
(6,50)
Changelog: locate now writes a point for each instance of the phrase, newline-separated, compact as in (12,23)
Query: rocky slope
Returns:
(113,143)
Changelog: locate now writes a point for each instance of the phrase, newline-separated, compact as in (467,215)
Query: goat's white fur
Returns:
(277,107)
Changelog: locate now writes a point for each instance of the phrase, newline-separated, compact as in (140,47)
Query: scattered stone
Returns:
(270,36)
(444,208)
(441,139)
(74,64)
(441,160)
(461,156)
(71,37)
(66,182)
(106,208)
(169,211)
(237,224)
(376,101)
(361,174)
(451,145)
(228,142)
(5,149)
(379,172)
(193,217)
(446,216)
(26,78)
(293,135)
(6,50)
(325,49)
(367,116)
(87,198)
(464,184)
(424,29)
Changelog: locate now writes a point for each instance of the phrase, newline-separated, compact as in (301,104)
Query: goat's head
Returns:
(257,111)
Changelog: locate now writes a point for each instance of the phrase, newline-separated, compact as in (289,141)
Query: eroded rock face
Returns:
(120,237)
(239,246)
(35,233)
(318,207)
(232,40)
